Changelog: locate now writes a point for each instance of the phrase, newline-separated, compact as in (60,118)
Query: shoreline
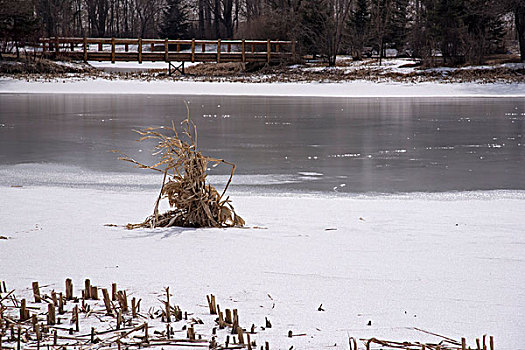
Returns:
(349,89)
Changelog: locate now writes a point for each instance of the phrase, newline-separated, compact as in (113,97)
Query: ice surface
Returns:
(380,145)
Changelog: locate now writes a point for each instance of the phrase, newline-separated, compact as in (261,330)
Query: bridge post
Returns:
(218,50)
(140,50)
(56,44)
(112,50)
(243,50)
(268,50)
(192,50)
(84,47)
(166,44)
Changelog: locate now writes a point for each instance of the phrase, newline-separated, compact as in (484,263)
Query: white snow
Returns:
(451,263)
(134,65)
(346,89)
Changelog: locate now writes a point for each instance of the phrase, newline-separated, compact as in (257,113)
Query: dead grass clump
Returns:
(193,202)
(216,69)
(11,65)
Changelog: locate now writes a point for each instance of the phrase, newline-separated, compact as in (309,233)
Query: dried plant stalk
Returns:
(193,202)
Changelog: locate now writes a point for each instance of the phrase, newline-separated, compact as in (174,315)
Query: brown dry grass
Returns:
(216,69)
(9,64)
(193,202)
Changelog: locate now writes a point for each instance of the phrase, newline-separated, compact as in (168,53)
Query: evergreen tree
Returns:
(313,18)
(17,22)
(389,21)
(397,29)
(447,30)
(175,23)
(359,27)
(484,30)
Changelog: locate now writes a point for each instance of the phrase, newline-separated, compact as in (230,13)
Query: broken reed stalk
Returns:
(51,320)
(193,202)
(212,304)
(133,307)
(168,314)
(107,302)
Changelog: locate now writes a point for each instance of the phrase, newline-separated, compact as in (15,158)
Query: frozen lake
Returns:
(278,143)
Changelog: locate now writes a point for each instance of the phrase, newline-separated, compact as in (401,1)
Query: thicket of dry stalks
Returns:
(193,202)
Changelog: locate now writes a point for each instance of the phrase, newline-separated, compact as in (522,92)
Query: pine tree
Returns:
(389,23)
(397,31)
(358,27)
(17,22)
(175,23)
(484,30)
(313,18)
(447,29)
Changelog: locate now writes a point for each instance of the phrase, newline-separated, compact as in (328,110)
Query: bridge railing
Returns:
(117,49)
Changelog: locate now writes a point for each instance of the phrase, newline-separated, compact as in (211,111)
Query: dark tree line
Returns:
(453,31)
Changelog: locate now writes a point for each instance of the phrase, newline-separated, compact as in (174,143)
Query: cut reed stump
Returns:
(36,292)
(69,289)
(193,202)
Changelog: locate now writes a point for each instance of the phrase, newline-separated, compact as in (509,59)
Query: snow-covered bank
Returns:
(358,88)
(450,263)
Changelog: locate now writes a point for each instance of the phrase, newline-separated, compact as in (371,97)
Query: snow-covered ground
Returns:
(450,263)
(347,89)
(134,66)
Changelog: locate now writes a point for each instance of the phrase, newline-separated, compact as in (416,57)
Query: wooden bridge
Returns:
(166,50)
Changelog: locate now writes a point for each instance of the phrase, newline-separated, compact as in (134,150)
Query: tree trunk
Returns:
(519,15)
(227,18)
(201,19)
(50,20)
(207,16)
(217,18)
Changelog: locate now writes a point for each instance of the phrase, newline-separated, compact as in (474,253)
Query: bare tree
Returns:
(339,12)
(148,12)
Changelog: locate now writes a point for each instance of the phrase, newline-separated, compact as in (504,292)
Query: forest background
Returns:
(445,32)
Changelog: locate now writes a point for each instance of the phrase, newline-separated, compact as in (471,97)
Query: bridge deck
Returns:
(139,50)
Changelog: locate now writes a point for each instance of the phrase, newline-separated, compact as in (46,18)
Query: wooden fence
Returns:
(113,49)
